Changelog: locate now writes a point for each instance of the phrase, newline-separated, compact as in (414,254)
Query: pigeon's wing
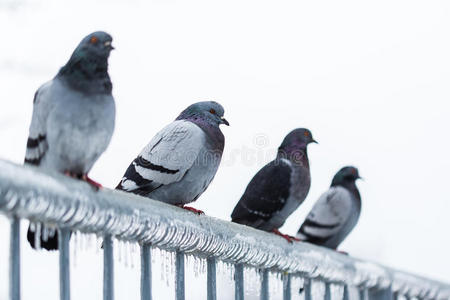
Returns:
(265,195)
(37,139)
(328,216)
(166,159)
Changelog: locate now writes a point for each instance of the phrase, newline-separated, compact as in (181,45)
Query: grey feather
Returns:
(332,218)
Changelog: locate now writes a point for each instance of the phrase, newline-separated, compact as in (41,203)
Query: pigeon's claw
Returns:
(194,210)
(287,237)
(342,252)
(93,183)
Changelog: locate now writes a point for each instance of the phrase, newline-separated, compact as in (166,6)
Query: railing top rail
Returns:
(55,199)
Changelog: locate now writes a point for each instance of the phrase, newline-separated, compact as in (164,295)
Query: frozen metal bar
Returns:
(14,260)
(380,294)
(239,282)
(64,263)
(211,278)
(307,289)
(108,268)
(179,276)
(49,198)
(287,287)
(346,295)
(146,272)
(327,291)
(265,285)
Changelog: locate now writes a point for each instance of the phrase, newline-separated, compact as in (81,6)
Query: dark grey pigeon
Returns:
(180,162)
(336,212)
(73,116)
(279,188)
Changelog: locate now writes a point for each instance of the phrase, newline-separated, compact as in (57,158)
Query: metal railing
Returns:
(28,193)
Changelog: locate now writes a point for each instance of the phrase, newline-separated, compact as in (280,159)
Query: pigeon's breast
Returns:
(79,128)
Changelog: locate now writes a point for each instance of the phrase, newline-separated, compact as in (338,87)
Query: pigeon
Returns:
(73,117)
(180,162)
(278,189)
(336,212)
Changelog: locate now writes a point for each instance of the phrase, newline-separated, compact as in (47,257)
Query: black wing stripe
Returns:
(312,223)
(33,161)
(132,174)
(313,238)
(34,143)
(142,162)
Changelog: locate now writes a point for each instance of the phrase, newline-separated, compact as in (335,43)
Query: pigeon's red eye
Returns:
(213,111)
(94,40)
(306,133)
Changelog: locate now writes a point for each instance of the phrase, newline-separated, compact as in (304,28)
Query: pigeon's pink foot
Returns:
(342,252)
(194,210)
(288,238)
(95,184)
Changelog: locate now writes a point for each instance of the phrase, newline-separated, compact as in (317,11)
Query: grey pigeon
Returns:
(73,116)
(278,188)
(180,162)
(336,212)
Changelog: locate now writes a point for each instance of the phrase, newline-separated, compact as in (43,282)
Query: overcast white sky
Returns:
(369,79)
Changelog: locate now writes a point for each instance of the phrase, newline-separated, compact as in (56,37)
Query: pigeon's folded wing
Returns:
(37,139)
(166,159)
(265,195)
(328,215)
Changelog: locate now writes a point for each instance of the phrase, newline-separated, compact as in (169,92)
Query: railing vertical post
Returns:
(395,296)
(14,260)
(211,278)
(308,288)
(327,291)
(380,294)
(239,282)
(345,296)
(108,268)
(179,275)
(146,272)
(64,263)
(287,287)
(265,285)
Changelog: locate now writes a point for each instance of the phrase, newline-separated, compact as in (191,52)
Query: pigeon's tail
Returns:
(48,242)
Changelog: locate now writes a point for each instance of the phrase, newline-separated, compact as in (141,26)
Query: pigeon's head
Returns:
(297,139)
(347,174)
(97,44)
(209,112)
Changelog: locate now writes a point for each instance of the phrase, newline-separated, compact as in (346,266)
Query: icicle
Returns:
(32,227)
(132,256)
(44,232)
(51,232)
(37,237)
(126,254)
(119,250)
(74,245)
(98,244)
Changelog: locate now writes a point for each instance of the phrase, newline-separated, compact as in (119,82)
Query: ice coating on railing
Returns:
(57,200)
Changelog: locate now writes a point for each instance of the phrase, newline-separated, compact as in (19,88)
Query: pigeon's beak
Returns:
(359,177)
(108,45)
(314,141)
(224,121)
